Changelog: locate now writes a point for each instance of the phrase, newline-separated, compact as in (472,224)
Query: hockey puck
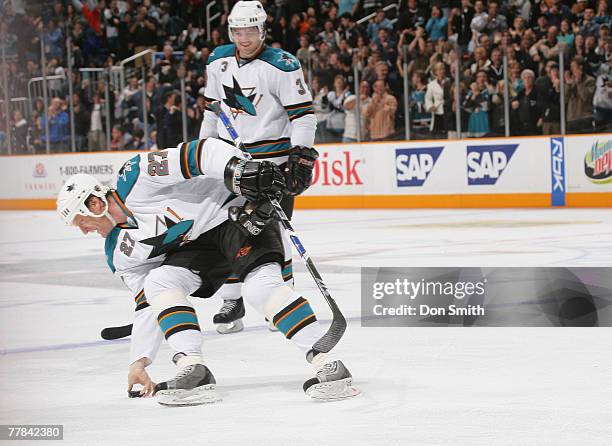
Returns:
(134,394)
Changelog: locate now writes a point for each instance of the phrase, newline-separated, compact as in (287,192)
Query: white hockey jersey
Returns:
(266,98)
(170,197)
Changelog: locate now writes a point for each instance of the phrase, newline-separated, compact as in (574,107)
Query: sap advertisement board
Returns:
(473,167)
(434,168)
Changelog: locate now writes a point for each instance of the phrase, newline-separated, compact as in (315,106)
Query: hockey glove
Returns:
(254,180)
(252,218)
(298,173)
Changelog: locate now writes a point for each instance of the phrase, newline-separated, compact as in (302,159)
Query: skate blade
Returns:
(230,327)
(333,390)
(272,327)
(188,397)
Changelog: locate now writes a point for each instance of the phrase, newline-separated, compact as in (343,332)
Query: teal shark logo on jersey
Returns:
(289,61)
(237,101)
(170,239)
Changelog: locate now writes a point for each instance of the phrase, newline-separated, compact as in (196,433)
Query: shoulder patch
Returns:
(280,59)
(128,174)
(221,52)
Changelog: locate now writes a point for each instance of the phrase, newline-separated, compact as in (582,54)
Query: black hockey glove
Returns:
(252,218)
(254,180)
(298,173)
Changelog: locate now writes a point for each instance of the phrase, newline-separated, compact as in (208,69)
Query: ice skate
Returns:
(193,385)
(333,381)
(271,325)
(229,318)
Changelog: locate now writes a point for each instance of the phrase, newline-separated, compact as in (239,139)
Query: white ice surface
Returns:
(420,386)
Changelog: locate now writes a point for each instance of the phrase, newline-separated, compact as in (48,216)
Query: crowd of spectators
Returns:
(438,38)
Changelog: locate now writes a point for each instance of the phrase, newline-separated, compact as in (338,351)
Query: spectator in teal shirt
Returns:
(349,6)
(436,25)
(380,21)
(566,35)
(602,17)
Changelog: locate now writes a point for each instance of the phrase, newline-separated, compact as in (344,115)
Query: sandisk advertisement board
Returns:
(339,170)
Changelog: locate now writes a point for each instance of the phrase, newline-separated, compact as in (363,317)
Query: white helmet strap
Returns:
(104,213)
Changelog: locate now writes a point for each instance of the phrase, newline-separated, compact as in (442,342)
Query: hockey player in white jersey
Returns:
(263,91)
(177,225)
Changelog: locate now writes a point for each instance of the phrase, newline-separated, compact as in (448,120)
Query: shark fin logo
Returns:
(175,235)
(240,100)
(288,60)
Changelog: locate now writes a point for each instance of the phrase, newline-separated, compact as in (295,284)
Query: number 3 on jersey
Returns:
(300,85)
(155,167)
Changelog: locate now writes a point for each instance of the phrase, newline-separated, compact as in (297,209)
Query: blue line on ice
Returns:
(48,348)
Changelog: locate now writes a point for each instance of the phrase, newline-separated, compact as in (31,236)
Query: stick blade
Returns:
(112,333)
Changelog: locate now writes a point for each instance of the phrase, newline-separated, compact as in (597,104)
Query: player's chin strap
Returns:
(338,324)
(113,196)
(108,215)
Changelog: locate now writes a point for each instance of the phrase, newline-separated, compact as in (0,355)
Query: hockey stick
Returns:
(111,333)
(338,324)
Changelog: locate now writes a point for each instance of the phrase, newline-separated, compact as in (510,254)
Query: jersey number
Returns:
(159,168)
(300,85)
(127,246)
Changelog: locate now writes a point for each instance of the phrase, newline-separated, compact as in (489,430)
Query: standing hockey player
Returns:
(263,91)
(168,236)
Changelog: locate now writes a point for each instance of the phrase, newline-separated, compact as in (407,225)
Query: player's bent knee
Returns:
(167,277)
(168,298)
(175,312)
(260,283)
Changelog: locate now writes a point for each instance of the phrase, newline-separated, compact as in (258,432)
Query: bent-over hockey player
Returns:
(168,236)
(263,91)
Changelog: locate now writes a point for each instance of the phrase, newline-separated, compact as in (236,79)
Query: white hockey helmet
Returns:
(246,14)
(75,191)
